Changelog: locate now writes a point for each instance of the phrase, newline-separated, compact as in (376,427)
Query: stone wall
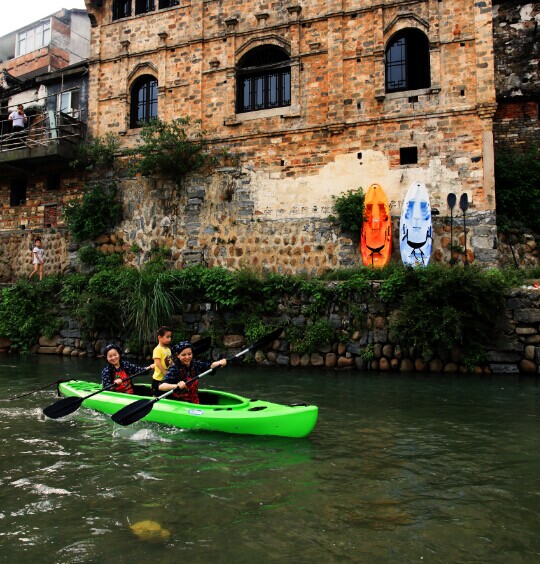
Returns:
(16,257)
(365,344)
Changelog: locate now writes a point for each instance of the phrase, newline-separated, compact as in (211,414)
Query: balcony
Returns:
(50,137)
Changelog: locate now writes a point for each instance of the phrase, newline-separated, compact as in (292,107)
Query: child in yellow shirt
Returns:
(162,358)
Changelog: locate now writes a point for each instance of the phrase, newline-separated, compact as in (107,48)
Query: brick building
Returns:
(44,68)
(312,98)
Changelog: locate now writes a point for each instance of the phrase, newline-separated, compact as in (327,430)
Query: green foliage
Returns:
(441,307)
(517,183)
(97,152)
(149,304)
(28,310)
(88,255)
(95,214)
(168,148)
(349,208)
(316,335)
(255,328)
(368,353)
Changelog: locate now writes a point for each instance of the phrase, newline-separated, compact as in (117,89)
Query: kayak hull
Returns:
(218,411)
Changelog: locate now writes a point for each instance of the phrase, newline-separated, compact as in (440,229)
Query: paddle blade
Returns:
(451,199)
(63,407)
(464,202)
(133,412)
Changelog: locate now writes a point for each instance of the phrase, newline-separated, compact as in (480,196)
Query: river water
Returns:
(398,469)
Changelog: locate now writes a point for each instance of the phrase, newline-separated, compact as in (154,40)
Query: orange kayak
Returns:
(376,235)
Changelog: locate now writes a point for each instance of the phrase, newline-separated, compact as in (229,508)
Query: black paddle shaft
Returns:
(139,409)
(65,406)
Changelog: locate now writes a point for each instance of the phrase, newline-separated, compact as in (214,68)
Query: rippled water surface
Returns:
(398,469)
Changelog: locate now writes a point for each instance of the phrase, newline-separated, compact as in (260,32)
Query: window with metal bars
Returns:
(263,80)
(144,100)
(121,9)
(407,61)
(144,6)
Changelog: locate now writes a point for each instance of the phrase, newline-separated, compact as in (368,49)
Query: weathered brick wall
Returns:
(517,79)
(341,130)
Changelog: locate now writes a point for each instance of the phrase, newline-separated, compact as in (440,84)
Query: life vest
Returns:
(189,393)
(125,387)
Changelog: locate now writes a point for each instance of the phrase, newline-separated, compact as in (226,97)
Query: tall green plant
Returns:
(168,148)
(97,212)
(150,303)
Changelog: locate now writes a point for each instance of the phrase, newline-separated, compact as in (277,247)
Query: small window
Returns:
(68,103)
(144,6)
(168,3)
(34,38)
(121,9)
(407,61)
(263,79)
(54,181)
(408,155)
(144,100)
(18,192)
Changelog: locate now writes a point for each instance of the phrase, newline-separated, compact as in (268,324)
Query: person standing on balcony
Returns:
(38,259)
(18,119)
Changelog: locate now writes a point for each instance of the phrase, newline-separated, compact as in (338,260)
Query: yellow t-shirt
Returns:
(164,354)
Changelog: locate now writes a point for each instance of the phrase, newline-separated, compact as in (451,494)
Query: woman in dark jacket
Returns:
(118,371)
(186,368)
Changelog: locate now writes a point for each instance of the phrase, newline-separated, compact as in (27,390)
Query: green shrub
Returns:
(97,152)
(440,307)
(95,214)
(167,148)
(28,310)
(349,208)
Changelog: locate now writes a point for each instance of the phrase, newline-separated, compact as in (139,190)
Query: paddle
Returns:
(139,409)
(38,389)
(451,199)
(65,406)
(464,205)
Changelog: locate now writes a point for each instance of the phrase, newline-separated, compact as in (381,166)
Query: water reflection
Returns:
(398,469)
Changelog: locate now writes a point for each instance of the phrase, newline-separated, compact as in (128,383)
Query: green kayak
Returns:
(218,411)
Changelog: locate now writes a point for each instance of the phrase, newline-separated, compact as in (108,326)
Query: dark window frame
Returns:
(144,100)
(144,6)
(263,80)
(407,61)
(163,4)
(121,9)
(17,196)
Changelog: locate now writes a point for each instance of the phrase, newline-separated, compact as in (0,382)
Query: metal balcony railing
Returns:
(42,131)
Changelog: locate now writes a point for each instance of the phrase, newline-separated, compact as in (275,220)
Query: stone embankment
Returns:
(371,348)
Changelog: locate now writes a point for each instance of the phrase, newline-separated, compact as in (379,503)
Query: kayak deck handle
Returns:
(257,408)
(299,404)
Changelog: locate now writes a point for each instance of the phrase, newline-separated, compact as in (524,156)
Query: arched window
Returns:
(263,79)
(407,61)
(144,100)
(121,9)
